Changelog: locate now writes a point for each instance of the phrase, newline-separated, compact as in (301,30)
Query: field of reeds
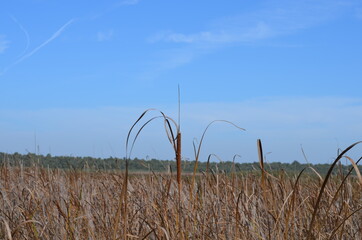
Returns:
(41,203)
(38,203)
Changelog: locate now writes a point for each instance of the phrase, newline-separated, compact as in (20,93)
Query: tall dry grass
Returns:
(38,203)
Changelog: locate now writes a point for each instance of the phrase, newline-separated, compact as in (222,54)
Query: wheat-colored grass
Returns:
(37,203)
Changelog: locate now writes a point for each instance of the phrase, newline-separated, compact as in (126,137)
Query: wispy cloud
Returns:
(274,19)
(129,2)
(113,7)
(4,44)
(167,60)
(105,35)
(260,31)
(197,44)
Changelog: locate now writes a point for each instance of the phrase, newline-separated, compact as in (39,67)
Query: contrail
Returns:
(25,33)
(54,36)
(25,56)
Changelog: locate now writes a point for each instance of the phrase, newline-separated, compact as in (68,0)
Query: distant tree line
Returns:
(141,165)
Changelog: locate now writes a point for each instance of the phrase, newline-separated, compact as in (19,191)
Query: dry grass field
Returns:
(38,203)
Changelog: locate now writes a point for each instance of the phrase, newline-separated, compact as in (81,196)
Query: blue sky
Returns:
(75,75)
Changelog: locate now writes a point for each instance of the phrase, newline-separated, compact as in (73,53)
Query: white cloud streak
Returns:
(35,50)
(46,42)
(168,60)
(27,37)
(257,32)
(4,44)
(129,2)
(276,19)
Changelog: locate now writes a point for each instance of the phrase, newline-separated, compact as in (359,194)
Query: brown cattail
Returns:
(178,159)
(261,162)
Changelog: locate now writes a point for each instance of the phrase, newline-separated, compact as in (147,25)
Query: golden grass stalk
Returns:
(356,169)
(7,229)
(316,207)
